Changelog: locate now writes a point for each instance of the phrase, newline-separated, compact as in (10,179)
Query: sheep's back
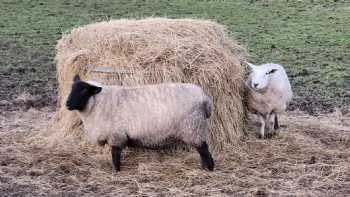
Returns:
(281,87)
(151,113)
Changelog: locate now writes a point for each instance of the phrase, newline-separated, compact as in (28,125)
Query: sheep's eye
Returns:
(271,71)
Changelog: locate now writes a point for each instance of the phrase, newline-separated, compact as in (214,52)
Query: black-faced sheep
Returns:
(269,93)
(150,114)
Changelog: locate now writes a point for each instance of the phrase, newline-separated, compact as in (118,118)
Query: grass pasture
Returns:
(310,38)
(310,158)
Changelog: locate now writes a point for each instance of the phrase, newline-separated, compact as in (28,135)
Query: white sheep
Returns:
(147,115)
(269,93)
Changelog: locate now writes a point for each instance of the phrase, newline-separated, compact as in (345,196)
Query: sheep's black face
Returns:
(80,94)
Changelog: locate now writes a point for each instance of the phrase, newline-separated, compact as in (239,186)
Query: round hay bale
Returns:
(156,50)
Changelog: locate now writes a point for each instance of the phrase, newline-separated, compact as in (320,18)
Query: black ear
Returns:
(272,71)
(94,90)
(76,78)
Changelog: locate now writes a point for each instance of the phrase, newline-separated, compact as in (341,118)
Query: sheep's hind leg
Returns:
(269,125)
(116,152)
(206,158)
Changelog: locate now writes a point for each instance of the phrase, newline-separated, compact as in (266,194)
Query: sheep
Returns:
(269,93)
(149,114)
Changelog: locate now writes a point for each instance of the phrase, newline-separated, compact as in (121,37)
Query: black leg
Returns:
(116,152)
(207,160)
(276,126)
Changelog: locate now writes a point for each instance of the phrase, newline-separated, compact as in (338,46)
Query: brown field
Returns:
(311,157)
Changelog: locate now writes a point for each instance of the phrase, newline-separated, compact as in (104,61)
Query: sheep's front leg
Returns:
(116,152)
(206,158)
(276,125)
(270,124)
(262,127)
(270,120)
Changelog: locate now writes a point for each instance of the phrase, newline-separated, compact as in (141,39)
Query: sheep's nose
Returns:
(256,85)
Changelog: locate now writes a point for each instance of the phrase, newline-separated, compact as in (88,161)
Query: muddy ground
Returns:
(26,78)
(310,157)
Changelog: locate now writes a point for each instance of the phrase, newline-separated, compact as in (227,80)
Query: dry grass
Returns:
(157,50)
(310,158)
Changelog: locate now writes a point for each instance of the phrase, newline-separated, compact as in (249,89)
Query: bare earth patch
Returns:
(309,158)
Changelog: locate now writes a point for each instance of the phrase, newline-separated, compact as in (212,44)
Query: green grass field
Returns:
(311,38)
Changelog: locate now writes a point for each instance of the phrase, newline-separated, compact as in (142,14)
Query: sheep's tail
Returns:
(208,107)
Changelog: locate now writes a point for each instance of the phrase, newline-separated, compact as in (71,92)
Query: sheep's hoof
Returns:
(261,136)
(270,135)
(116,169)
(208,164)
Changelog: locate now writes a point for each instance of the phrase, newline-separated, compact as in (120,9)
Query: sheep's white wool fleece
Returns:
(150,113)
(275,97)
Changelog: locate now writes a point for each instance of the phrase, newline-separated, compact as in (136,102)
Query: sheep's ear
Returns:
(250,66)
(76,78)
(272,71)
(95,90)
